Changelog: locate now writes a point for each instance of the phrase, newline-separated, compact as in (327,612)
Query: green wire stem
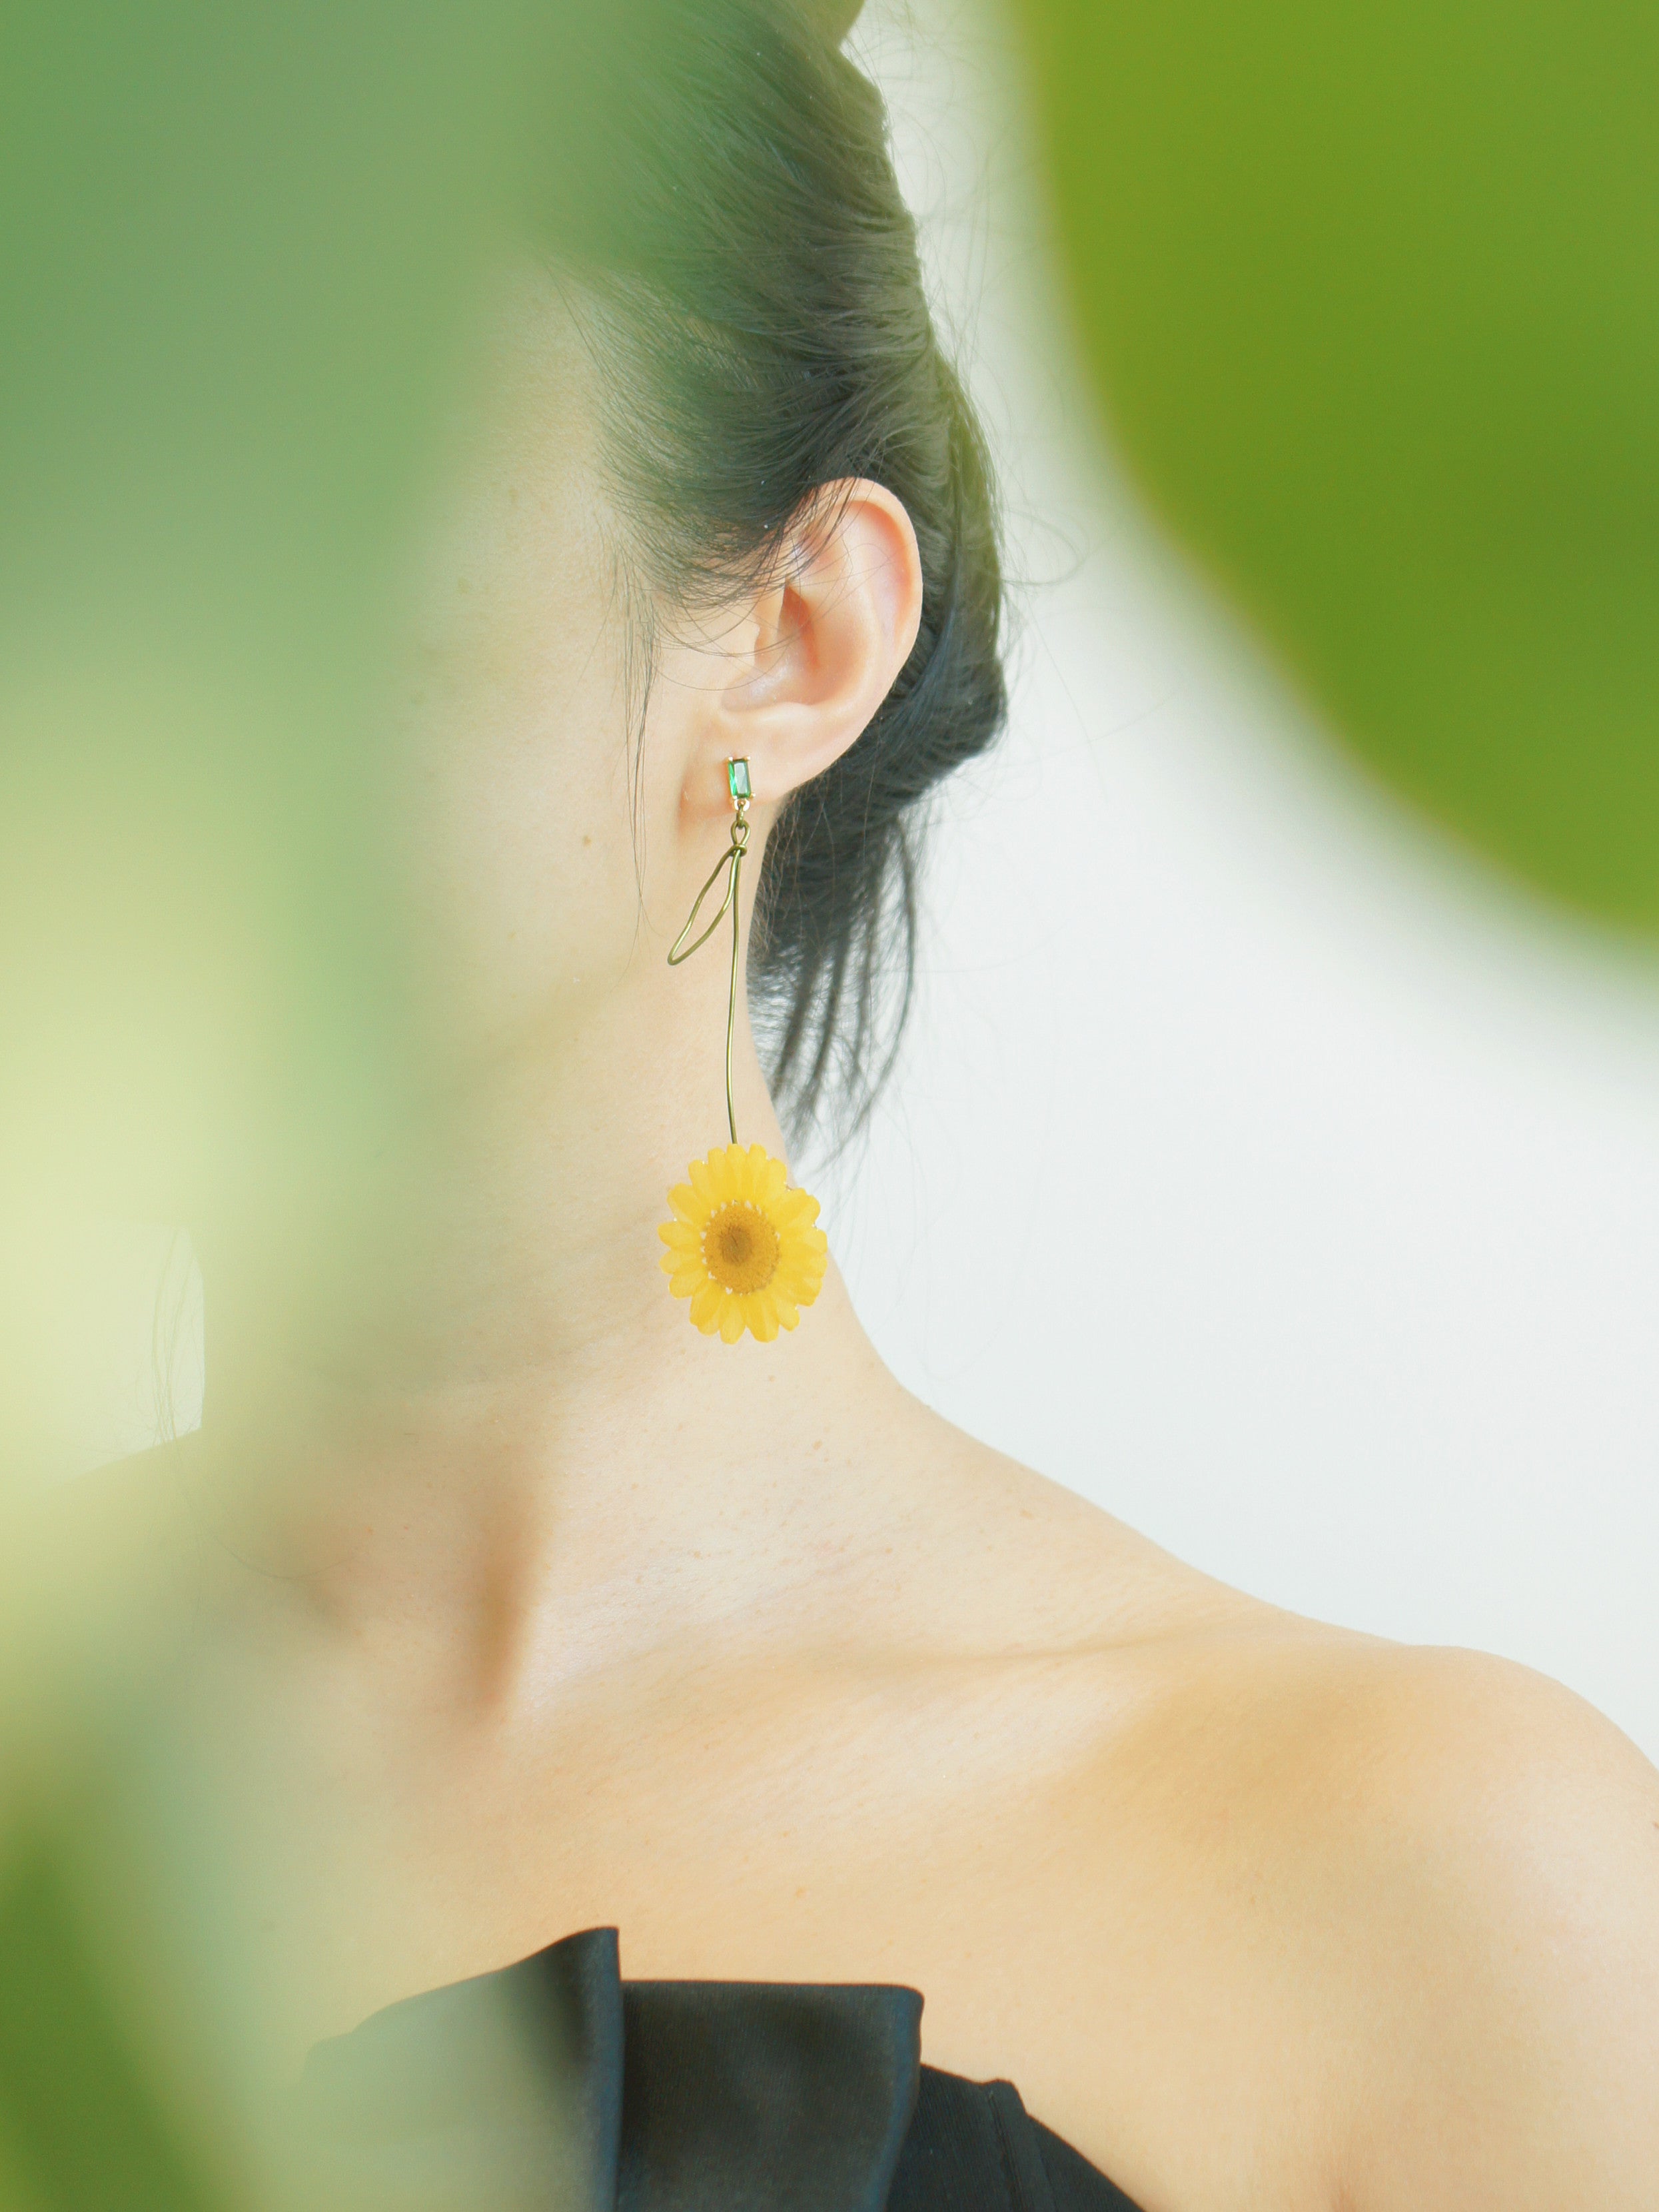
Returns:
(732,861)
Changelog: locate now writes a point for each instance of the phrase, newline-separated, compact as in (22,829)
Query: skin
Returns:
(563,1614)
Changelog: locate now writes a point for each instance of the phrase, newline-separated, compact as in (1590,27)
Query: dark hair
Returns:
(757,291)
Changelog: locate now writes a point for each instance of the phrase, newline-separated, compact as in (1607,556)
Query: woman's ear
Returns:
(822,645)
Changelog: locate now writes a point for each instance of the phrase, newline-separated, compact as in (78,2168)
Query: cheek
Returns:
(516,844)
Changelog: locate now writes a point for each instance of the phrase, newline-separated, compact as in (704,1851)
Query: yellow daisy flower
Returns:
(741,1246)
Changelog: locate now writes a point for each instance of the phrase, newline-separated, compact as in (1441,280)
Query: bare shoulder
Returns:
(1321,1921)
(1514,1909)
(1440,1874)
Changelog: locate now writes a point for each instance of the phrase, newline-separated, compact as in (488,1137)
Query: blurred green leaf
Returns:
(238,244)
(81,2126)
(1370,294)
(239,252)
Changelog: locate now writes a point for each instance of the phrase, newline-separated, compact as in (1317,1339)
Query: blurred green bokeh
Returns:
(83,2127)
(238,251)
(1372,297)
(238,246)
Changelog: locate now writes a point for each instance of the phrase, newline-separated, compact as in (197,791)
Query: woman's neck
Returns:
(527,1418)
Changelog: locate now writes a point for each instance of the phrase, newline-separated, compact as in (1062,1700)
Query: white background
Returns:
(1258,1166)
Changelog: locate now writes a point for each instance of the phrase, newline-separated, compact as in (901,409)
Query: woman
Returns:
(569,1616)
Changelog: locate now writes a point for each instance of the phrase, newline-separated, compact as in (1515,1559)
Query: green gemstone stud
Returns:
(737,777)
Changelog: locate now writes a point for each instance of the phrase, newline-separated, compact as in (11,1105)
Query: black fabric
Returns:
(1075,2185)
(730,2086)
(554,2086)
(972,2148)
(504,2092)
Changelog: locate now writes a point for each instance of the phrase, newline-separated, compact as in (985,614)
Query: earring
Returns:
(742,1245)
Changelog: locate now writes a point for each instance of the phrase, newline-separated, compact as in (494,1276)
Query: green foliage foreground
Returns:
(1372,297)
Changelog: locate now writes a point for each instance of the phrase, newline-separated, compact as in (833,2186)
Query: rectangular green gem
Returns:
(737,775)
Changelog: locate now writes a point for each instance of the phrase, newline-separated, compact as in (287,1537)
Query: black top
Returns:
(556,2084)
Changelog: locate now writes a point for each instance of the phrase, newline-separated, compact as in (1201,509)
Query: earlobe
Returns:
(831,634)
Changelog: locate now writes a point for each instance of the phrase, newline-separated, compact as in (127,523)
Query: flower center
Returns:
(741,1247)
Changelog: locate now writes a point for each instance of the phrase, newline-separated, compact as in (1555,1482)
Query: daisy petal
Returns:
(706,1304)
(721,1190)
(731,1320)
(762,1314)
(688,1206)
(687,1280)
